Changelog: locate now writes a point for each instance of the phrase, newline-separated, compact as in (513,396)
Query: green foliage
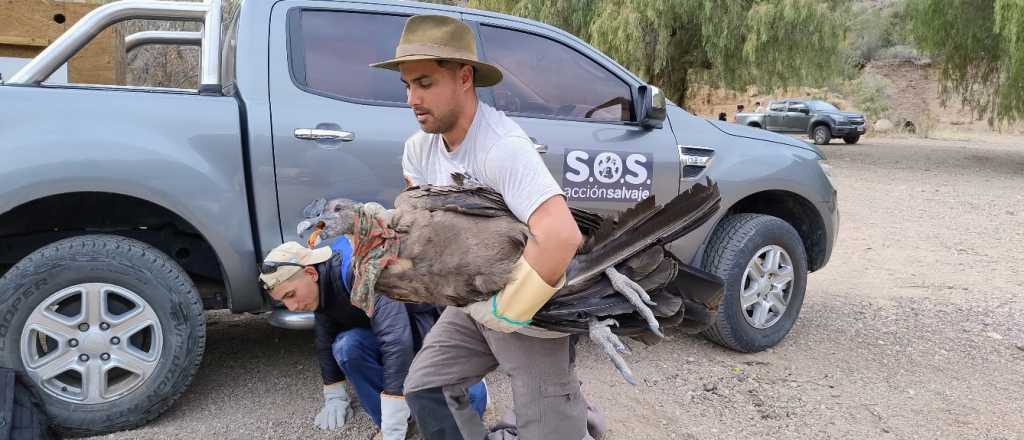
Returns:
(808,56)
(1010,26)
(871,93)
(675,43)
(980,45)
(874,31)
(573,16)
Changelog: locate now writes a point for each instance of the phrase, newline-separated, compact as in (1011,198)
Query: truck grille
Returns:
(856,121)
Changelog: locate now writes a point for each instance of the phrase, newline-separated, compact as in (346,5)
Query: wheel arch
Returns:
(818,123)
(794,209)
(39,221)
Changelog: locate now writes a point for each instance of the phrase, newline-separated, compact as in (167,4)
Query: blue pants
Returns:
(357,353)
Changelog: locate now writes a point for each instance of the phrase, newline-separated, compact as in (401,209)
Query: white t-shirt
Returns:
(496,153)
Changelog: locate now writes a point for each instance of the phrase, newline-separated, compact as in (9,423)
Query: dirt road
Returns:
(913,330)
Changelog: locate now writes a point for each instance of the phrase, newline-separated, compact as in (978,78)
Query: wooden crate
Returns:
(28,26)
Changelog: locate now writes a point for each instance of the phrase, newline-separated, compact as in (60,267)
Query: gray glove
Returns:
(337,407)
(394,417)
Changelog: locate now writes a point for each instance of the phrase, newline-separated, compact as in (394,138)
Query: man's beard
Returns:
(444,123)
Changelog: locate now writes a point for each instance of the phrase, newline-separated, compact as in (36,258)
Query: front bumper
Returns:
(848,130)
(282,318)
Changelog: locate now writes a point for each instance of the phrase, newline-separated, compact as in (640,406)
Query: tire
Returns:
(732,247)
(21,409)
(821,135)
(851,139)
(144,297)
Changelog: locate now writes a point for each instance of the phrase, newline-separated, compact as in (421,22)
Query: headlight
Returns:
(827,169)
(839,119)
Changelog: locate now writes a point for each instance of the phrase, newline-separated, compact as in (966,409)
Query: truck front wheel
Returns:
(821,135)
(764,265)
(110,329)
(851,139)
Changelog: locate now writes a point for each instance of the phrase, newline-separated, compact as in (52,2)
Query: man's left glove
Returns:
(394,417)
(513,307)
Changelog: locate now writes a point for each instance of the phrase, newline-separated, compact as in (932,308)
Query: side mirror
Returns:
(652,107)
(804,110)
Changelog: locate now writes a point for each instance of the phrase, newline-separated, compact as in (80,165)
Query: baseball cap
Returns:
(287,259)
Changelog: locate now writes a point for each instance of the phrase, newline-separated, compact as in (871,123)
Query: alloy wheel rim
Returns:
(767,287)
(91,343)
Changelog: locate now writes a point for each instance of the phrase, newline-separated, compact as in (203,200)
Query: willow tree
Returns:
(675,44)
(980,46)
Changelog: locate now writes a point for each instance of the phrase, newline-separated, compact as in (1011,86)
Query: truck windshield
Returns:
(823,106)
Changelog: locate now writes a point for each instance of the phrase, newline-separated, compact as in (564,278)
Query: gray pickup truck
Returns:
(820,120)
(125,211)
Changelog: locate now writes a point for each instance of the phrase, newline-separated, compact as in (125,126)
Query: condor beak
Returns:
(304,226)
(314,237)
(314,241)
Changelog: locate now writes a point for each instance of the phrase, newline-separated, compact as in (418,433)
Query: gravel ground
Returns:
(912,330)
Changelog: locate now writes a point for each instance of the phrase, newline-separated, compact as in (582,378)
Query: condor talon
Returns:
(636,296)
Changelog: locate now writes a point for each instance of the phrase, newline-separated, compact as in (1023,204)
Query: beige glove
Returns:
(513,308)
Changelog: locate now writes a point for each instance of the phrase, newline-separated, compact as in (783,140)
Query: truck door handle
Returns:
(319,134)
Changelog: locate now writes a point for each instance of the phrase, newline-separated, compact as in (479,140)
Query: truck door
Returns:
(339,126)
(775,118)
(580,110)
(797,116)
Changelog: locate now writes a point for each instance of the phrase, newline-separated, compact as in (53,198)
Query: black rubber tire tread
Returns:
(21,409)
(730,248)
(851,139)
(118,260)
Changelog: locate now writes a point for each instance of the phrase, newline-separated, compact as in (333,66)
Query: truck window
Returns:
(331,52)
(777,107)
(823,106)
(543,77)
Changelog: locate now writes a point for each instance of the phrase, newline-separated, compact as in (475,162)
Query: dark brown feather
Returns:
(478,200)
(613,227)
(450,258)
(654,280)
(681,215)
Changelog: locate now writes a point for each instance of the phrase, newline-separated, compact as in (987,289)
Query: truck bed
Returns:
(176,149)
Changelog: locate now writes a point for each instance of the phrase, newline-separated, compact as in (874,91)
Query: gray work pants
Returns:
(458,352)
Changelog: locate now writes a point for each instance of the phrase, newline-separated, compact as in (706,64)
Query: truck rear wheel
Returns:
(109,329)
(764,265)
(821,135)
